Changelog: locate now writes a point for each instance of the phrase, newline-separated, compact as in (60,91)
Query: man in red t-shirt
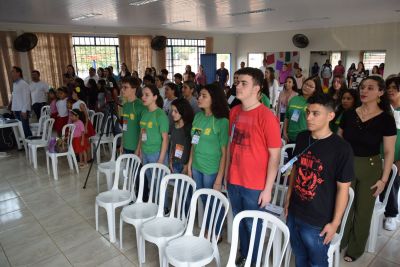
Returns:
(339,69)
(253,155)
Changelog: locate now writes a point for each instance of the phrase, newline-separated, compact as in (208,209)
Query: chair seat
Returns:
(113,196)
(107,166)
(139,211)
(189,249)
(162,227)
(104,139)
(36,142)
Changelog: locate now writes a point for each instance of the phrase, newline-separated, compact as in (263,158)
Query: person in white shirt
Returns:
(92,75)
(39,91)
(21,99)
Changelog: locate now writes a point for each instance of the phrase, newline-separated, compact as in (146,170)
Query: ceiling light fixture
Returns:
(252,12)
(142,2)
(86,16)
(175,22)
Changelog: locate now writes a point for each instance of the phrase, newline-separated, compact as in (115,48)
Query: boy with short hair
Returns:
(319,185)
(253,155)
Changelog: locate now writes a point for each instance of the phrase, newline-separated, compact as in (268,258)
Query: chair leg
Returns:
(98,181)
(121,225)
(288,256)
(161,256)
(98,156)
(34,156)
(54,162)
(373,234)
(75,162)
(96,212)
(229,224)
(141,245)
(217,257)
(47,163)
(69,158)
(336,257)
(109,180)
(111,223)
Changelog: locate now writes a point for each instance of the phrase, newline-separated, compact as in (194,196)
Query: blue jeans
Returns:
(207,181)
(307,245)
(241,199)
(177,167)
(25,122)
(152,158)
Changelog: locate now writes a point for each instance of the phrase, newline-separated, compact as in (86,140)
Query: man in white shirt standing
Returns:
(92,75)
(39,91)
(21,99)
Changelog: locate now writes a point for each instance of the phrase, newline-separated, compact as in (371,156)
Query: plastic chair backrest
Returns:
(41,122)
(91,114)
(284,151)
(158,172)
(280,188)
(97,121)
(182,185)
(390,185)
(108,126)
(68,131)
(45,111)
(346,212)
(129,164)
(114,146)
(217,202)
(276,227)
(47,129)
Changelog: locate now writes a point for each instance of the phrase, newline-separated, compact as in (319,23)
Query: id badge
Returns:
(179,151)
(144,136)
(124,125)
(230,99)
(295,115)
(195,139)
(232,131)
(289,164)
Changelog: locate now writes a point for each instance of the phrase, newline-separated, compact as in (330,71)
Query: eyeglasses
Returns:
(309,86)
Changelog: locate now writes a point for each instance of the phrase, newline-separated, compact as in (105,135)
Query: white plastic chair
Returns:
(127,165)
(334,246)
(106,139)
(34,144)
(140,212)
(377,215)
(108,168)
(91,114)
(97,120)
(161,230)
(37,127)
(284,153)
(270,222)
(190,250)
(45,111)
(67,132)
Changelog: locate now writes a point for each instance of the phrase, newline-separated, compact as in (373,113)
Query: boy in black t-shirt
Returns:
(319,185)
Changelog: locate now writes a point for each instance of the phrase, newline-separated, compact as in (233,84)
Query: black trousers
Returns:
(37,107)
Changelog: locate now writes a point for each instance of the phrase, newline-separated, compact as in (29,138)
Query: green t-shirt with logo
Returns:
(296,115)
(153,125)
(131,116)
(213,135)
(265,100)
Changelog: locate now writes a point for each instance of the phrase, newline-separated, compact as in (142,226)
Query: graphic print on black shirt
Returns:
(309,176)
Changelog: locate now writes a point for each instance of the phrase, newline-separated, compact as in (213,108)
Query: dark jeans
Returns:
(307,246)
(25,122)
(37,107)
(242,199)
(392,208)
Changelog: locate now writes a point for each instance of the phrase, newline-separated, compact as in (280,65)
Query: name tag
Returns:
(195,139)
(232,132)
(124,125)
(230,99)
(144,136)
(289,164)
(295,115)
(178,151)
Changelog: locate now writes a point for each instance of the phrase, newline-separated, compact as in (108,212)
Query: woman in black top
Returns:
(366,128)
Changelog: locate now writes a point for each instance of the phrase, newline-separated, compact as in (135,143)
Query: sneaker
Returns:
(390,224)
(166,212)
(240,261)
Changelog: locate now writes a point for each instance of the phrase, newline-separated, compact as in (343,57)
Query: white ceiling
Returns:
(203,15)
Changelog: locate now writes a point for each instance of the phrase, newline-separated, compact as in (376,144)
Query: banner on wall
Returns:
(277,59)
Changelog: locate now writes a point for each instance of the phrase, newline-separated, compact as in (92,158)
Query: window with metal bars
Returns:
(182,52)
(93,51)
(372,58)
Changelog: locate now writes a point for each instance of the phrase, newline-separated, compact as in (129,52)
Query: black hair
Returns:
(317,82)
(271,73)
(92,69)
(190,84)
(384,103)
(161,78)
(219,104)
(323,100)
(178,75)
(126,67)
(154,90)
(363,67)
(37,72)
(92,84)
(132,81)
(343,86)
(63,89)
(18,70)
(73,70)
(256,75)
(395,80)
(164,71)
(294,88)
(185,109)
(78,113)
(149,78)
(354,94)
(174,88)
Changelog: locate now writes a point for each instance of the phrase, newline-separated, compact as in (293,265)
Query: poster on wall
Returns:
(278,59)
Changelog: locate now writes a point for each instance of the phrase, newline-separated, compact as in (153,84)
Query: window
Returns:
(335,57)
(90,51)
(256,60)
(372,58)
(182,52)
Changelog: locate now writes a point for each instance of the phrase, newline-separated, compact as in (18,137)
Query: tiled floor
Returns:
(44,222)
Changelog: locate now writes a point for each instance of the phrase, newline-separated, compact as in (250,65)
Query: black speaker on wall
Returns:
(300,40)
(25,42)
(159,43)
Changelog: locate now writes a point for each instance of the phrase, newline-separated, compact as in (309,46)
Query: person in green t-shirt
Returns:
(209,140)
(265,100)
(131,115)
(295,118)
(154,126)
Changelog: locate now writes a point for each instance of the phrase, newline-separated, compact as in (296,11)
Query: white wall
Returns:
(367,37)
